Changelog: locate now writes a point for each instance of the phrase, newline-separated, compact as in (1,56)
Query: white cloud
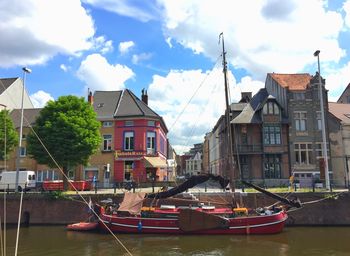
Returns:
(40,98)
(34,31)
(64,67)
(336,81)
(140,10)
(102,45)
(137,58)
(124,47)
(257,37)
(346,8)
(98,74)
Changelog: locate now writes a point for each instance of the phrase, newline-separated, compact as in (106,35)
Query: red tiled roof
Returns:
(293,82)
(340,111)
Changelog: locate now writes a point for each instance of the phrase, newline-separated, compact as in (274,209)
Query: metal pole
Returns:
(324,144)
(229,173)
(25,71)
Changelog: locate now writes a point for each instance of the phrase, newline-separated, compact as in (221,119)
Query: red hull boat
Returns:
(82,226)
(194,221)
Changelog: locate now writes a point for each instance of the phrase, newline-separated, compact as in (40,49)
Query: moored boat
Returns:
(218,221)
(82,226)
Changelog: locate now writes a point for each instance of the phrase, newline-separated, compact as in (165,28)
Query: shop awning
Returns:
(155,162)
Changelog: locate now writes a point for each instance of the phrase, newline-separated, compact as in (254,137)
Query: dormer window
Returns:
(271,108)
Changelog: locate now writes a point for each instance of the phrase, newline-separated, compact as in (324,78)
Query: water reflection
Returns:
(55,240)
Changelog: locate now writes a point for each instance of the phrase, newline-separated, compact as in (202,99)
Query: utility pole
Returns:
(25,71)
(324,144)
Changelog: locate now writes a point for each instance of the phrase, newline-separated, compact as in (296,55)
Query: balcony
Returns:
(248,148)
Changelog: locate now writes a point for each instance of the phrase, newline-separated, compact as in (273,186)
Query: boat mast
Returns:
(229,168)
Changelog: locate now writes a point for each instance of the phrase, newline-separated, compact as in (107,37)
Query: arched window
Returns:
(271,108)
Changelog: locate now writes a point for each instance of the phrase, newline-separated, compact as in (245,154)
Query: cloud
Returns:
(140,10)
(40,98)
(34,31)
(191,102)
(337,80)
(102,45)
(124,47)
(137,58)
(98,74)
(346,8)
(64,67)
(261,42)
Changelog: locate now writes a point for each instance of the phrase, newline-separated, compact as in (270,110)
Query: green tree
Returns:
(11,134)
(70,132)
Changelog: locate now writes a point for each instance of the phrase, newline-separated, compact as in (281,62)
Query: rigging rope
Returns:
(64,175)
(194,94)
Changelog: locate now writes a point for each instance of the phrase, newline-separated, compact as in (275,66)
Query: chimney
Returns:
(90,98)
(246,97)
(144,96)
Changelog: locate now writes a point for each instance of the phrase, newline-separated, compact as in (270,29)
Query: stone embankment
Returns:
(324,209)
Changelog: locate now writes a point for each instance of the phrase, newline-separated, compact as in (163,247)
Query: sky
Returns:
(172,49)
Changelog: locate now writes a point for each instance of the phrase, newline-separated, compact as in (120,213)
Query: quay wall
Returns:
(320,209)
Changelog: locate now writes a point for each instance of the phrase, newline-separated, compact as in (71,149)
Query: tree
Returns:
(70,132)
(11,134)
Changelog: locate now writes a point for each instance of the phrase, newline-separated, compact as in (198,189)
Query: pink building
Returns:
(139,140)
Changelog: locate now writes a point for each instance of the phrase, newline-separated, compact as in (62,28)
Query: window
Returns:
(300,120)
(272,166)
(107,142)
(107,124)
(319,120)
(128,167)
(303,153)
(129,123)
(23,152)
(299,96)
(151,139)
(319,150)
(271,108)
(272,135)
(347,99)
(129,141)
(151,123)
(49,175)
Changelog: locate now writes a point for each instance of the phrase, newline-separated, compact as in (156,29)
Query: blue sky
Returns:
(171,49)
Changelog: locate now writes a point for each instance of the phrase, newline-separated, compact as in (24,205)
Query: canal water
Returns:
(293,241)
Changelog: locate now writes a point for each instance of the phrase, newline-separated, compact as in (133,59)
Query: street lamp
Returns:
(324,144)
(25,71)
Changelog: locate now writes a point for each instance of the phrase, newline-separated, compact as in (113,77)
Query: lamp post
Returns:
(25,71)
(324,144)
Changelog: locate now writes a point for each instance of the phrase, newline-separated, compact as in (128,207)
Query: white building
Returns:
(194,165)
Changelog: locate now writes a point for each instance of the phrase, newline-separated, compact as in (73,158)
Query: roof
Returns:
(248,114)
(29,116)
(340,111)
(122,104)
(130,105)
(294,82)
(6,83)
(105,103)
(346,89)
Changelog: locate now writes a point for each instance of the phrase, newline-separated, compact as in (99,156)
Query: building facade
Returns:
(261,141)
(298,95)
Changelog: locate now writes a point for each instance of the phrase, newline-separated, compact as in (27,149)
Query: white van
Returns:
(26,180)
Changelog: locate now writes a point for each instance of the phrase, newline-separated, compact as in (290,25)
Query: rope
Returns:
(64,175)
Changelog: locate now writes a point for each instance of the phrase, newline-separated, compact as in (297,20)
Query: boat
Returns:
(203,220)
(134,217)
(82,226)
